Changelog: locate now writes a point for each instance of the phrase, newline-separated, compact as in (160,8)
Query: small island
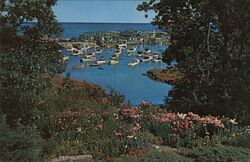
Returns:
(169,75)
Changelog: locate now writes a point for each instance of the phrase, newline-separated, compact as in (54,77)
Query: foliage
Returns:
(216,153)
(210,42)
(154,155)
(84,124)
(26,53)
(19,144)
(235,136)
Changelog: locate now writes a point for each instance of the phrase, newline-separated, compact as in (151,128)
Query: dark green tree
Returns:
(27,53)
(210,41)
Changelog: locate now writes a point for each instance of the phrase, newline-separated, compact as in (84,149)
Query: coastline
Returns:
(169,75)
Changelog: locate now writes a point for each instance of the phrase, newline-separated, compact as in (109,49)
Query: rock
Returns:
(79,158)
(171,75)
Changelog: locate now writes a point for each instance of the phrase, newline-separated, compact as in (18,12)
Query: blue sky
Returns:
(122,11)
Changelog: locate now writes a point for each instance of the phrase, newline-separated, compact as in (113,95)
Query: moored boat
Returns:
(100,61)
(140,53)
(134,62)
(131,50)
(147,50)
(65,58)
(98,51)
(158,59)
(118,52)
(147,58)
(130,53)
(85,58)
(113,57)
(76,52)
(112,62)
(89,55)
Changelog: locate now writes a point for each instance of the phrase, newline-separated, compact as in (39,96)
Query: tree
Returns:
(210,42)
(26,54)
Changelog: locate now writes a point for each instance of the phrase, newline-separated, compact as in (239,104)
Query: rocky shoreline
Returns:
(169,75)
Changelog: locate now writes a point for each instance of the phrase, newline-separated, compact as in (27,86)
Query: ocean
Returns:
(126,80)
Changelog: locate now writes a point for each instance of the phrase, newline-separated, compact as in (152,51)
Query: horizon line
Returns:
(96,22)
(106,22)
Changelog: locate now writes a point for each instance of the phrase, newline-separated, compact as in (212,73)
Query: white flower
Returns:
(130,136)
(181,115)
(79,129)
(232,121)
(155,146)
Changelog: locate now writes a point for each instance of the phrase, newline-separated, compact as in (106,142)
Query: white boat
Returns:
(114,57)
(131,50)
(100,61)
(76,53)
(98,51)
(147,58)
(140,53)
(123,44)
(130,53)
(159,59)
(147,50)
(112,62)
(65,58)
(89,55)
(134,62)
(118,52)
(84,59)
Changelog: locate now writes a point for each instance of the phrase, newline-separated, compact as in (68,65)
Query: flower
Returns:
(129,113)
(233,121)
(144,102)
(130,136)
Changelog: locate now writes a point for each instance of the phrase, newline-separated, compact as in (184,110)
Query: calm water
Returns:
(124,79)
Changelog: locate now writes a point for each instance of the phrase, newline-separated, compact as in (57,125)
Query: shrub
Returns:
(216,153)
(153,156)
(19,144)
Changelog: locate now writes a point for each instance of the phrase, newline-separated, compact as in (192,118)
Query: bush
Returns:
(154,156)
(216,153)
(19,144)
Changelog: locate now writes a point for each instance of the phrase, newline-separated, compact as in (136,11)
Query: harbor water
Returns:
(126,80)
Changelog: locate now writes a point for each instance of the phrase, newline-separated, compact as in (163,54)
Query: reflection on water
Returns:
(124,79)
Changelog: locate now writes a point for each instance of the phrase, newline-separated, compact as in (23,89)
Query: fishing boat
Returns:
(131,50)
(85,58)
(140,53)
(158,59)
(65,58)
(98,51)
(123,44)
(100,61)
(113,57)
(134,62)
(80,66)
(147,58)
(112,62)
(75,52)
(118,52)
(89,55)
(130,53)
(147,50)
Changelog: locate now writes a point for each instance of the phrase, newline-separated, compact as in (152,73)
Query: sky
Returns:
(113,11)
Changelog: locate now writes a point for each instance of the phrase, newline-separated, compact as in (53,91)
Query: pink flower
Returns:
(129,113)
(144,102)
